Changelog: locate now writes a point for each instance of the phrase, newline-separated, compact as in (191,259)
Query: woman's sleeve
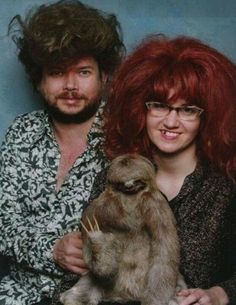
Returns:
(230,285)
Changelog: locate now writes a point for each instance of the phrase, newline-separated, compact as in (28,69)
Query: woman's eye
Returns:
(160,106)
(188,110)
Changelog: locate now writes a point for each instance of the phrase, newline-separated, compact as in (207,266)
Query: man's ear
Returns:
(38,87)
(104,78)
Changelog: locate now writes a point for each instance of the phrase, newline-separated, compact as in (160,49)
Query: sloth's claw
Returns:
(84,227)
(96,224)
(90,227)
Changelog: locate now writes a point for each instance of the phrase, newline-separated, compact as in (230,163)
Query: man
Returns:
(49,158)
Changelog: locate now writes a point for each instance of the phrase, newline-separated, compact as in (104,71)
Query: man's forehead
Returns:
(88,62)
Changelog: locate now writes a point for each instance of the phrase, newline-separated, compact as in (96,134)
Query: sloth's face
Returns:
(130,187)
(130,173)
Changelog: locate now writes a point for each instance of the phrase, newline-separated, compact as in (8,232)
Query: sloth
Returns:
(130,241)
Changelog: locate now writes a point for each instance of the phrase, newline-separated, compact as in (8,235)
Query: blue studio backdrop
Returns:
(213,21)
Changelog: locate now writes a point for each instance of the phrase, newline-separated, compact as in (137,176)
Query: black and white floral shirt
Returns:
(32,214)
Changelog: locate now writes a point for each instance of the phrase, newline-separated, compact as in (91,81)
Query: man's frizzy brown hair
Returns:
(61,32)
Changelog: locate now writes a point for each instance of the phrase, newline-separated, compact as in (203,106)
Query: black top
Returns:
(205,210)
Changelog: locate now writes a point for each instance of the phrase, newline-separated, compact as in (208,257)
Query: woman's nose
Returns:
(172,119)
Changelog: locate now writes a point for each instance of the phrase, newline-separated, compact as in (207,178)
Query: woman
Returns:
(174,101)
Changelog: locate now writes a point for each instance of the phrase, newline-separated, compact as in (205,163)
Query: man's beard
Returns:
(76,118)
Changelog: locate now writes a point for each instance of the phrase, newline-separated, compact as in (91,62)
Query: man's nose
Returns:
(70,82)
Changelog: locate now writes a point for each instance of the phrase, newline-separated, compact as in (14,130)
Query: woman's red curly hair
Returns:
(198,73)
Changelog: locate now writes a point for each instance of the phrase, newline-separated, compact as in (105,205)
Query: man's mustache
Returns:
(71,95)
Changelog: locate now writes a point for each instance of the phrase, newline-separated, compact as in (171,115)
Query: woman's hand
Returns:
(67,253)
(213,296)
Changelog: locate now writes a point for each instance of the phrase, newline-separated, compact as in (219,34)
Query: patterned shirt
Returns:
(33,215)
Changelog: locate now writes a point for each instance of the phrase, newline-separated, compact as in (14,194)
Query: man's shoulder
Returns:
(32,118)
(26,126)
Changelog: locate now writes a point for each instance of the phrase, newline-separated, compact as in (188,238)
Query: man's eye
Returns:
(85,72)
(55,73)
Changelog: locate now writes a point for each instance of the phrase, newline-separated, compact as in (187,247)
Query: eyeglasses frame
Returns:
(171,108)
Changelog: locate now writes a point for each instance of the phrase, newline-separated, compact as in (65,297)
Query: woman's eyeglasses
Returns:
(185,113)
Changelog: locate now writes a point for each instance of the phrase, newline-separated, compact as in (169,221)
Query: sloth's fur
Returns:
(130,241)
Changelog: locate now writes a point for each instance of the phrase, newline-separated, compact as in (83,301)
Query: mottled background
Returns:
(213,21)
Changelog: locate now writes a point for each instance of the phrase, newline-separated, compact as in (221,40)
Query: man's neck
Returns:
(72,141)
(69,134)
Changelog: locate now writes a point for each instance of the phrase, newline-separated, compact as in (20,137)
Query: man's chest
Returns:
(67,160)
(39,172)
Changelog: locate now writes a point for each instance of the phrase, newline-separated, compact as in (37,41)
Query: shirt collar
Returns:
(95,135)
(192,181)
(45,128)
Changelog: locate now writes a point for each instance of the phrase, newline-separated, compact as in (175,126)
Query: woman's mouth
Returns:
(169,135)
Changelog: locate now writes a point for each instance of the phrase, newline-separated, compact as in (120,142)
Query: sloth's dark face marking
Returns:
(130,187)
